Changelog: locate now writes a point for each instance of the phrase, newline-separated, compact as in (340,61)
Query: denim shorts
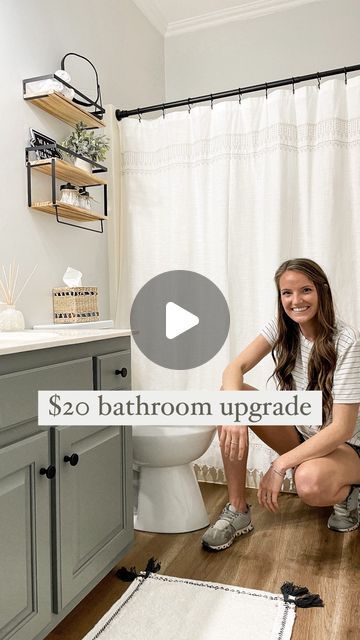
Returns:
(353,446)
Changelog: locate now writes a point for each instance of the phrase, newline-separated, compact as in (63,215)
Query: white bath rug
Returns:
(158,607)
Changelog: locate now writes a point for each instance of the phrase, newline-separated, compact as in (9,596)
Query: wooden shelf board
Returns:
(68,211)
(68,172)
(64,109)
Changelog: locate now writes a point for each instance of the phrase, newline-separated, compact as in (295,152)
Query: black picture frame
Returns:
(38,139)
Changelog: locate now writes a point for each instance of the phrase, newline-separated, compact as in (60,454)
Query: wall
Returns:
(312,37)
(34,36)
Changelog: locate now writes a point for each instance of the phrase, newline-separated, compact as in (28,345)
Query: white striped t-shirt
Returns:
(346,383)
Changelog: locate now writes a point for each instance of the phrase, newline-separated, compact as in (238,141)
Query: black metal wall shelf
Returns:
(61,107)
(58,168)
(49,157)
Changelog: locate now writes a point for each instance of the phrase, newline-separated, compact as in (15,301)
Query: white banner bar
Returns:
(179,408)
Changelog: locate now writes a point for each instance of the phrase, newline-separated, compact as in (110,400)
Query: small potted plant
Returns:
(84,142)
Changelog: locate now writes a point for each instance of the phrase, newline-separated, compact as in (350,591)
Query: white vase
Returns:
(83,164)
(11,319)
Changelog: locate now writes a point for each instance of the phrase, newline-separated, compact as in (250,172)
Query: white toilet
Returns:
(169,498)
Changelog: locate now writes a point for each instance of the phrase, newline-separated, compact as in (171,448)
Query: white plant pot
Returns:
(83,164)
(11,319)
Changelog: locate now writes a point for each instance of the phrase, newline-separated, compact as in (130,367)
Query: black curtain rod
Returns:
(236,92)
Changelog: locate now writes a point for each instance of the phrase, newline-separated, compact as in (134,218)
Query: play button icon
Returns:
(179,319)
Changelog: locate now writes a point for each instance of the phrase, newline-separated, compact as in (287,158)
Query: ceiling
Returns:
(172,17)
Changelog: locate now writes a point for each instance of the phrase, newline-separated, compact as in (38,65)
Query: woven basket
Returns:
(75,304)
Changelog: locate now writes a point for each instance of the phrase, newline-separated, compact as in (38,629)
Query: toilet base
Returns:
(169,500)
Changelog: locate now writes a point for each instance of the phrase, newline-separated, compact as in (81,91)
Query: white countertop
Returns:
(30,340)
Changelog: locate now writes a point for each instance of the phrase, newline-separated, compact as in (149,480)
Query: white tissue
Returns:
(64,75)
(43,86)
(66,91)
(72,277)
(51,84)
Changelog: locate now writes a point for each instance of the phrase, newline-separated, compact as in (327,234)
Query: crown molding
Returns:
(151,11)
(245,11)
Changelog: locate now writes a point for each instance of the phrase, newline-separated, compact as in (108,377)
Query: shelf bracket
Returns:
(53,181)
(51,161)
(78,226)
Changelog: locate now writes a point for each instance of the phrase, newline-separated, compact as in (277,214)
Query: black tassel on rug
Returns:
(300,596)
(128,575)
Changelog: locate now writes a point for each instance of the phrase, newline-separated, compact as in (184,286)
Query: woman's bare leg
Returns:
(326,481)
(279,438)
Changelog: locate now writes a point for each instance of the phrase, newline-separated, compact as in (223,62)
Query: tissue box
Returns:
(75,304)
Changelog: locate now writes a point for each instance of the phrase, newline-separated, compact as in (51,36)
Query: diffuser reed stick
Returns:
(8,284)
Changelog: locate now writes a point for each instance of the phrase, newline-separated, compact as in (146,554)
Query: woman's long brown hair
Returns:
(322,359)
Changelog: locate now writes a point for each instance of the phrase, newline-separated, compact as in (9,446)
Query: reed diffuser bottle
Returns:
(11,319)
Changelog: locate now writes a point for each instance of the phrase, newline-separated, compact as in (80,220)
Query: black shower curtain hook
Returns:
(293,86)
(345,74)
(318,79)
(163,110)
(266,90)
(189,105)
(212,100)
(139,115)
(239,95)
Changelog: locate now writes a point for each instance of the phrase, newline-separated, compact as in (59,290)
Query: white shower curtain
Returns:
(231,192)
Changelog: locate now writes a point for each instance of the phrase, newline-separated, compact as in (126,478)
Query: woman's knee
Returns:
(248,387)
(309,483)
(244,387)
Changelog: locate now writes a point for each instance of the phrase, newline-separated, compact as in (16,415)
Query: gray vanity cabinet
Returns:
(92,523)
(25,576)
(60,535)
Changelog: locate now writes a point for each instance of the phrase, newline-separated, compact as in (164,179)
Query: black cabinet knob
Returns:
(121,372)
(49,472)
(73,459)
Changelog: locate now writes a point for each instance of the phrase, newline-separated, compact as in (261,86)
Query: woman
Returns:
(311,350)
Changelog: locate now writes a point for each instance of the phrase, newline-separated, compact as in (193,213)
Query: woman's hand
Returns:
(234,441)
(269,488)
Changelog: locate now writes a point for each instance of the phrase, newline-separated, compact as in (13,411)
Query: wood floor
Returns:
(293,545)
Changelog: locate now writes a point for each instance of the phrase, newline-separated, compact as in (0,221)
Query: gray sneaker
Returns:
(229,526)
(345,516)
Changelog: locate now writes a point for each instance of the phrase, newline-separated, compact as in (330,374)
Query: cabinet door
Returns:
(25,591)
(94,517)
(113,371)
